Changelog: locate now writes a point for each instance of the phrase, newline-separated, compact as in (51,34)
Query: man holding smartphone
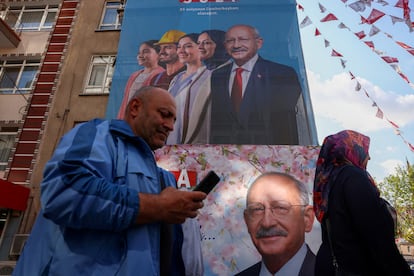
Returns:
(103,198)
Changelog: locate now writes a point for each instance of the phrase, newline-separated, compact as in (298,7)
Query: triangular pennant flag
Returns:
(389,59)
(352,75)
(379,114)
(374,30)
(370,44)
(374,104)
(300,7)
(305,22)
(343,26)
(405,46)
(317,32)
(358,86)
(360,34)
(343,63)
(327,43)
(322,8)
(374,16)
(411,52)
(411,147)
(329,17)
(335,53)
(382,2)
(395,19)
(393,124)
(404,77)
(358,6)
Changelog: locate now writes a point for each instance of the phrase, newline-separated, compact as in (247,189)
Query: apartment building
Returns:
(56,65)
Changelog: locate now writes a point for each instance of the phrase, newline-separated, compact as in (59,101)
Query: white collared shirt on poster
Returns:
(291,268)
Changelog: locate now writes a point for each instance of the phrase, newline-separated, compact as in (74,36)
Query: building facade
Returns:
(56,64)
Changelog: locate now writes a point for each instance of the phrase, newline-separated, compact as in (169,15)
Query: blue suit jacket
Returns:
(307,268)
(267,113)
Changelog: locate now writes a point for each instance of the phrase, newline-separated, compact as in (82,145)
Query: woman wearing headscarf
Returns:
(357,228)
(147,57)
(211,46)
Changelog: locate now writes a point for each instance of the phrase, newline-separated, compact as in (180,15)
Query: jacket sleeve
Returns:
(373,223)
(78,189)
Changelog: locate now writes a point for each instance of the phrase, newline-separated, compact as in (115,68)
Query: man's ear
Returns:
(259,42)
(134,106)
(309,217)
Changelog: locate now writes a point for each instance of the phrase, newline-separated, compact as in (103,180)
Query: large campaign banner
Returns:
(227,248)
(198,46)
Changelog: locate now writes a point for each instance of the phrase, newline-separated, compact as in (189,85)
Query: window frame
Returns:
(12,141)
(109,7)
(20,64)
(24,10)
(104,87)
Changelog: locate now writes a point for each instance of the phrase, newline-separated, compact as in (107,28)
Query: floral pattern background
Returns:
(226,245)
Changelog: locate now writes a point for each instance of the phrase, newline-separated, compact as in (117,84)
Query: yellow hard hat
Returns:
(171,36)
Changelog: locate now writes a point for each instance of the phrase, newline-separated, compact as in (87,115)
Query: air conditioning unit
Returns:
(17,245)
(6,268)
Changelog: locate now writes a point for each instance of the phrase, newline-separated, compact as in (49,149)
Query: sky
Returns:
(338,102)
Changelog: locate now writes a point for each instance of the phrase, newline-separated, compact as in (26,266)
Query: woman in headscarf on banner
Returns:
(191,89)
(211,46)
(357,228)
(148,56)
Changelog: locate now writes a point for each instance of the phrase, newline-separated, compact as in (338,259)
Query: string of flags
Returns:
(375,16)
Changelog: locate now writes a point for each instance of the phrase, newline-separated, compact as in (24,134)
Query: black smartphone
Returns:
(208,182)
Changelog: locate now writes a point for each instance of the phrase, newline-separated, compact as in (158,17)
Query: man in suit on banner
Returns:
(277,216)
(253,99)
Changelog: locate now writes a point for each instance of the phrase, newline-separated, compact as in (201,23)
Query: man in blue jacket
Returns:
(104,198)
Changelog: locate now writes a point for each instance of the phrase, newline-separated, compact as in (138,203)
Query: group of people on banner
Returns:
(226,93)
(107,208)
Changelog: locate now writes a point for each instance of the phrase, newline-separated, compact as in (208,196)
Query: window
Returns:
(6,145)
(111,19)
(31,18)
(17,76)
(4,214)
(100,75)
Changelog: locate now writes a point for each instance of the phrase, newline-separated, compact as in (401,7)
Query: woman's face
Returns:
(147,56)
(206,46)
(187,51)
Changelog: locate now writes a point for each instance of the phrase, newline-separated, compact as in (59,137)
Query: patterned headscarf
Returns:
(346,147)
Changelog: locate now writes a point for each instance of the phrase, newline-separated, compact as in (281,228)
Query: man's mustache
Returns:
(270,232)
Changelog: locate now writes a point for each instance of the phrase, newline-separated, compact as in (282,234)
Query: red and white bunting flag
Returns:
(317,32)
(374,16)
(404,77)
(395,19)
(343,26)
(374,30)
(388,59)
(393,124)
(379,114)
(405,46)
(411,147)
(300,7)
(322,8)
(329,17)
(370,44)
(358,6)
(411,52)
(360,34)
(305,22)
(382,2)
(335,53)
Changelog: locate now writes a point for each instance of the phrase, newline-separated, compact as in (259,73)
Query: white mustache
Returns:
(270,232)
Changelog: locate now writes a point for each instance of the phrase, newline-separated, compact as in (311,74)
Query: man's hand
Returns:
(171,206)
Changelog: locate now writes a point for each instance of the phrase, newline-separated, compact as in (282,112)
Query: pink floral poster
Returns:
(226,245)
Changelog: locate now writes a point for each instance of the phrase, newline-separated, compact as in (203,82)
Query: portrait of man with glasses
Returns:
(277,216)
